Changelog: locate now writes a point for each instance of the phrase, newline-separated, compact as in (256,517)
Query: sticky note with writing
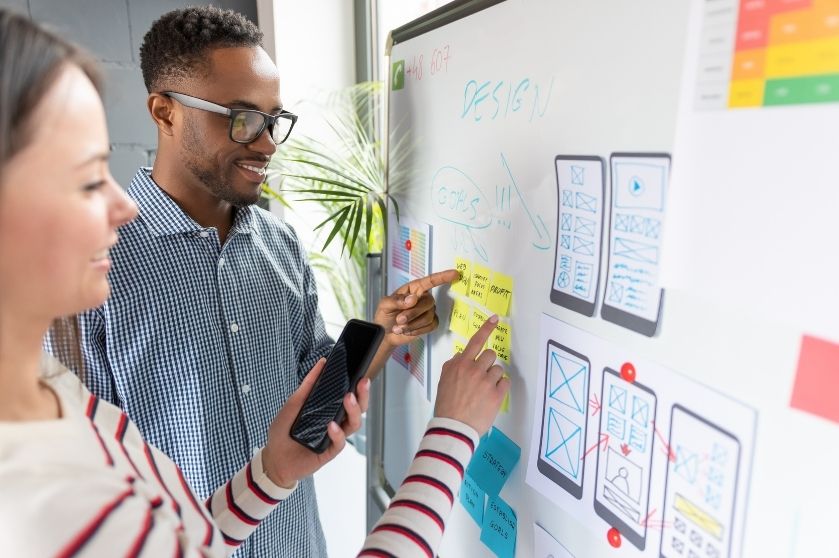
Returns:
(499,528)
(501,341)
(461,314)
(494,460)
(478,319)
(462,285)
(472,498)
(479,283)
(500,294)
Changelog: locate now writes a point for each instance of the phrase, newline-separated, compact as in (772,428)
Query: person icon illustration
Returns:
(621,480)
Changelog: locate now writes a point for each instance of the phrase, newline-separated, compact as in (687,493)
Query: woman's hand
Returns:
(472,386)
(286,461)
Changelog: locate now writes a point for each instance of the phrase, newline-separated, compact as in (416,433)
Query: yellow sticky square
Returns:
(462,285)
(505,405)
(458,346)
(478,319)
(479,283)
(501,341)
(500,294)
(459,322)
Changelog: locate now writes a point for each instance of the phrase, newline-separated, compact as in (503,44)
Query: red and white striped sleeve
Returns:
(243,502)
(413,524)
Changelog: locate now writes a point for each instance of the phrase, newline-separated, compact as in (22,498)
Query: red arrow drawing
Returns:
(625,450)
(668,451)
(594,405)
(604,439)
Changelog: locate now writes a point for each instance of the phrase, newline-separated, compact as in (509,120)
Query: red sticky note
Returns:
(817,378)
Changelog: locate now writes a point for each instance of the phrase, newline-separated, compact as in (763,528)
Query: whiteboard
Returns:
(497,108)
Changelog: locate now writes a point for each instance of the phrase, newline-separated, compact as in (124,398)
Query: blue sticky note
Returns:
(494,460)
(498,531)
(472,498)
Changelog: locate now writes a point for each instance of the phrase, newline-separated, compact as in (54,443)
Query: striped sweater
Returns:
(88,485)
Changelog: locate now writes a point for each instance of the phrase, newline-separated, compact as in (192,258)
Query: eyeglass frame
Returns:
(209,106)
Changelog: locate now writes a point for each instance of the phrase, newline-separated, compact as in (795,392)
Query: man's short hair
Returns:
(177,45)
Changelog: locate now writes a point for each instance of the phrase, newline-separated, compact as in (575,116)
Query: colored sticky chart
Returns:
(460,318)
(499,528)
(500,294)
(768,53)
(494,460)
(476,321)
(413,357)
(463,267)
(500,341)
(472,498)
(479,282)
(817,378)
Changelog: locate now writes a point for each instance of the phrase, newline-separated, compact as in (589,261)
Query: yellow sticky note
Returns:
(459,322)
(458,346)
(478,319)
(479,283)
(505,405)
(500,294)
(501,341)
(462,285)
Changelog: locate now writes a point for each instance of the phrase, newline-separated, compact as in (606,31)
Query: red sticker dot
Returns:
(407,357)
(628,372)
(614,537)
(408,245)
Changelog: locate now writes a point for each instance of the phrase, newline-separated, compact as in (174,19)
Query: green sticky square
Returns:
(398,75)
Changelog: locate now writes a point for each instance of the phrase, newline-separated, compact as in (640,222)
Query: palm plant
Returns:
(343,172)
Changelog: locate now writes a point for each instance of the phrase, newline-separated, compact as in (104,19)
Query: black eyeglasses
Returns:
(246,125)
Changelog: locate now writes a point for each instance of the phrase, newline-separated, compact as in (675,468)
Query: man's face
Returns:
(244,78)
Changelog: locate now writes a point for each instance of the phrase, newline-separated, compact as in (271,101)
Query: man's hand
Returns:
(472,386)
(286,461)
(411,311)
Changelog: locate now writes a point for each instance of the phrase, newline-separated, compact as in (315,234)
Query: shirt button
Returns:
(246,388)
(204,234)
(234,327)
(221,261)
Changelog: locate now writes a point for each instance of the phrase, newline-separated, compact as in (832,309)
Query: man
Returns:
(213,318)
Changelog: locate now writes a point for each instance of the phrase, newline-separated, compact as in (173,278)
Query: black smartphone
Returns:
(345,366)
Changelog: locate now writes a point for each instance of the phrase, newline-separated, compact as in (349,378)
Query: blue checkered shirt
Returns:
(201,344)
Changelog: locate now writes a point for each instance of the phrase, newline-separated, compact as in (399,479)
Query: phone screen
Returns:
(581,189)
(565,418)
(345,365)
(700,489)
(622,483)
(639,193)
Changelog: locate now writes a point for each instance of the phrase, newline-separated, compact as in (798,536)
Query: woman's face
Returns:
(60,207)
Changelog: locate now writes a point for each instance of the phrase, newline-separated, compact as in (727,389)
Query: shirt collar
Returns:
(165,217)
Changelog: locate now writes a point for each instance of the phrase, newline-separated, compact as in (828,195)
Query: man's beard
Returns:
(218,181)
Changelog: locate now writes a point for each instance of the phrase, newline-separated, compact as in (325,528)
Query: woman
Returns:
(76,477)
